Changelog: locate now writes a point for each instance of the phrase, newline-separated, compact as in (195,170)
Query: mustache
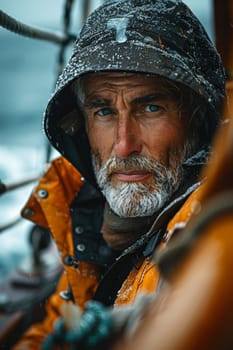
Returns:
(133,162)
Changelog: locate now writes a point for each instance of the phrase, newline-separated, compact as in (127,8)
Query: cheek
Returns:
(164,139)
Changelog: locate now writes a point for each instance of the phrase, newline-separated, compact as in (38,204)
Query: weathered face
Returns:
(138,136)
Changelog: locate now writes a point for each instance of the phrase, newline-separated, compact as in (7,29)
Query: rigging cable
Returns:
(20,28)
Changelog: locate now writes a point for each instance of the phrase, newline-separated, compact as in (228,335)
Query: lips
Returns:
(131,176)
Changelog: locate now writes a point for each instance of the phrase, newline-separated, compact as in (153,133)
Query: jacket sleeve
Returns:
(34,337)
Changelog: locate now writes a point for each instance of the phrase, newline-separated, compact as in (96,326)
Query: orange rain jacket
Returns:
(49,206)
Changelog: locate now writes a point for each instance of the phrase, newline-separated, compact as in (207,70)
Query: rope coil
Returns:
(93,332)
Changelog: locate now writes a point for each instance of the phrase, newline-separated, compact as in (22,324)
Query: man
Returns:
(134,112)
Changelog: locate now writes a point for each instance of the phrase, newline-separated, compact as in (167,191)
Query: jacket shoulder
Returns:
(60,181)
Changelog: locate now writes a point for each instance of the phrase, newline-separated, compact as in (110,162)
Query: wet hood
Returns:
(160,37)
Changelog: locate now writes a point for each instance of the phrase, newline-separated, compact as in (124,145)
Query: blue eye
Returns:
(104,111)
(152,108)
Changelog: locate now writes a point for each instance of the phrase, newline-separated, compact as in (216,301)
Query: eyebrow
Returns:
(99,102)
(149,98)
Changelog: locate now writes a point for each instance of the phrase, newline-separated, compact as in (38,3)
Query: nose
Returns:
(128,138)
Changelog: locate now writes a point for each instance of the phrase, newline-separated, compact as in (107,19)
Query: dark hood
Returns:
(160,37)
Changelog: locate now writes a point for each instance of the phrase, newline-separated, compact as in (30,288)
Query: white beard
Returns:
(134,199)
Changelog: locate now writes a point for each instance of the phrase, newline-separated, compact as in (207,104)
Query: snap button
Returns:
(42,193)
(81,247)
(79,230)
(70,261)
(66,295)
(28,212)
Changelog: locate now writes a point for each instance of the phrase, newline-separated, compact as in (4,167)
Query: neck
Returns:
(119,233)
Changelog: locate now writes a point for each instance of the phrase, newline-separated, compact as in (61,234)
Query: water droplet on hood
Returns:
(120,25)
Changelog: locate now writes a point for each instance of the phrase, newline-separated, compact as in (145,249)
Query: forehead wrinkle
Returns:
(97,101)
(101,92)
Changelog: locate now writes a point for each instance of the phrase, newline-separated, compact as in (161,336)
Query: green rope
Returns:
(94,330)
